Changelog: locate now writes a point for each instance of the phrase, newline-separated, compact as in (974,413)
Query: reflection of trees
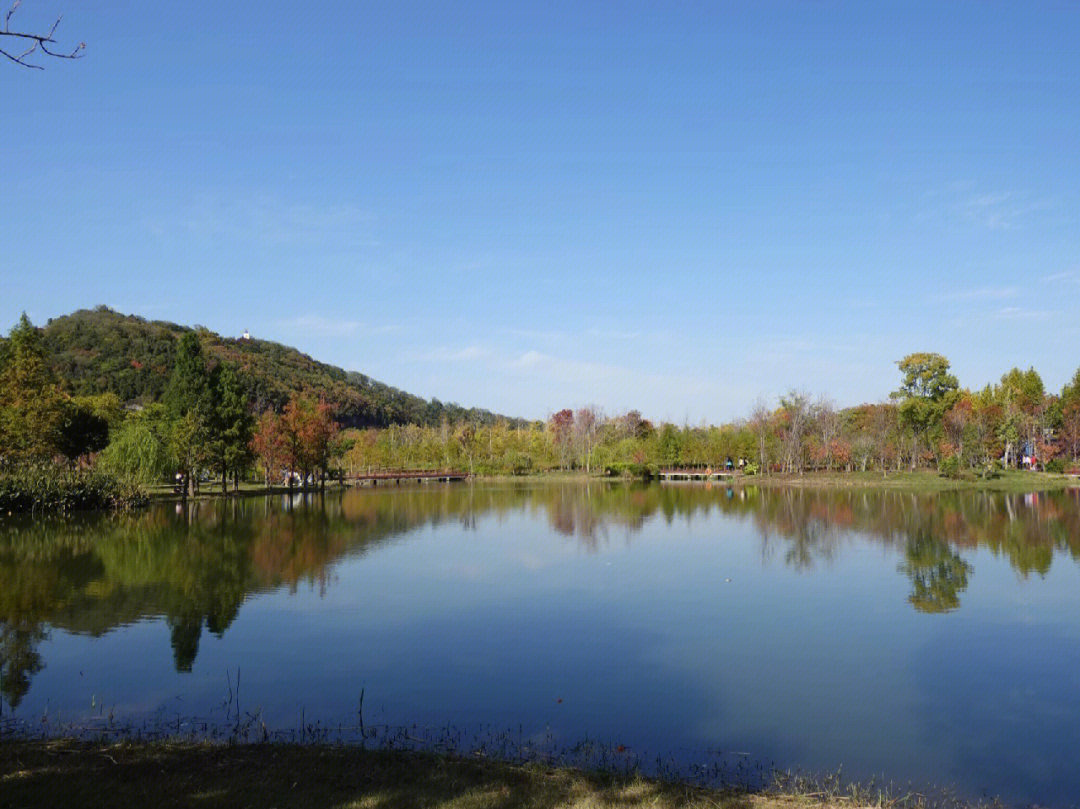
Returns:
(19,660)
(938,575)
(194,566)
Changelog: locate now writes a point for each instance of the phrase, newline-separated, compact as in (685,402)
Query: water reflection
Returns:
(938,575)
(195,565)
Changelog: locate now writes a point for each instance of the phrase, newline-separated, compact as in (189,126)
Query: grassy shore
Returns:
(919,481)
(212,489)
(37,773)
(1015,482)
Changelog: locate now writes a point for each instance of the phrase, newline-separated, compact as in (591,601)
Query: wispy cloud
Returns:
(593,333)
(268,219)
(445,354)
(613,334)
(538,334)
(1068,278)
(1021,313)
(331,327)
(1003,211)
(992,210)
(978,294)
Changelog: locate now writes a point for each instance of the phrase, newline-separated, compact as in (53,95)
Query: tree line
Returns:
(204,424)
(208,423)
(929,422)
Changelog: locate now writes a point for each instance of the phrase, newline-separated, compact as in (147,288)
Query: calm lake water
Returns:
(925,638)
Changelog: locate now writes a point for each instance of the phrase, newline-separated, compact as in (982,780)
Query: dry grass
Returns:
(84,774)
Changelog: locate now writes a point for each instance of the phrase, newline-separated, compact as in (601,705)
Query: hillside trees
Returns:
(98,351)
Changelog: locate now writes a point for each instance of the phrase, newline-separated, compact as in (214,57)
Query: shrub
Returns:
(48,487)
(518,463)
(950,467)
(623,469)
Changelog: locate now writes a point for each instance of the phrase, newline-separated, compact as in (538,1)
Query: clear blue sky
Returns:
(675,207)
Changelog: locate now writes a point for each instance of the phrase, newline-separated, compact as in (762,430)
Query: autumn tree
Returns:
(957,423)
(1070,415)
(795,408)
(561,427)
(586,423)
(760,419)
(827,423)
(308,431)
(268,445)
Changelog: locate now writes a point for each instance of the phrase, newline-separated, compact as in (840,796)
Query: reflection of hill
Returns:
(195,566)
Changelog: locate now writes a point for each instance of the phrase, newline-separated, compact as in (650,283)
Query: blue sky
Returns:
(675,207)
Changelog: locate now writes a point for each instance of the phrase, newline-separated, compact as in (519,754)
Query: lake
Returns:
(931,639)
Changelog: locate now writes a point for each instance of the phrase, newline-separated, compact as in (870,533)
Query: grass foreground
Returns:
(36,773)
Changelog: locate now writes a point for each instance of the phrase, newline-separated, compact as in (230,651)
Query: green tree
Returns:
(189,399)
(1022,397)
(82,431)
(139,449)
(189,387)
(668,445)
(32,406)
(927,391)
(230,424)
(187,443)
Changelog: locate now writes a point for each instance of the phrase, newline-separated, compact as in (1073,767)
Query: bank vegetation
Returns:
(68,441)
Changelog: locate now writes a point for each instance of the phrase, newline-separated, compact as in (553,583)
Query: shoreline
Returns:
(920,481)
(917,482)
(106,774)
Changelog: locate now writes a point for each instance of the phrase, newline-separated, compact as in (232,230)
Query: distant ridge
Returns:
(100,350)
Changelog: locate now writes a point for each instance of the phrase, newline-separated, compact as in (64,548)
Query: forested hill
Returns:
(99,350)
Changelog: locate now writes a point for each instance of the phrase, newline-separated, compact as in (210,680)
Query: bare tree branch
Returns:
(37,41)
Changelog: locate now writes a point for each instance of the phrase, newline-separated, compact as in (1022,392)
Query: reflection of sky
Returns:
(694,636)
